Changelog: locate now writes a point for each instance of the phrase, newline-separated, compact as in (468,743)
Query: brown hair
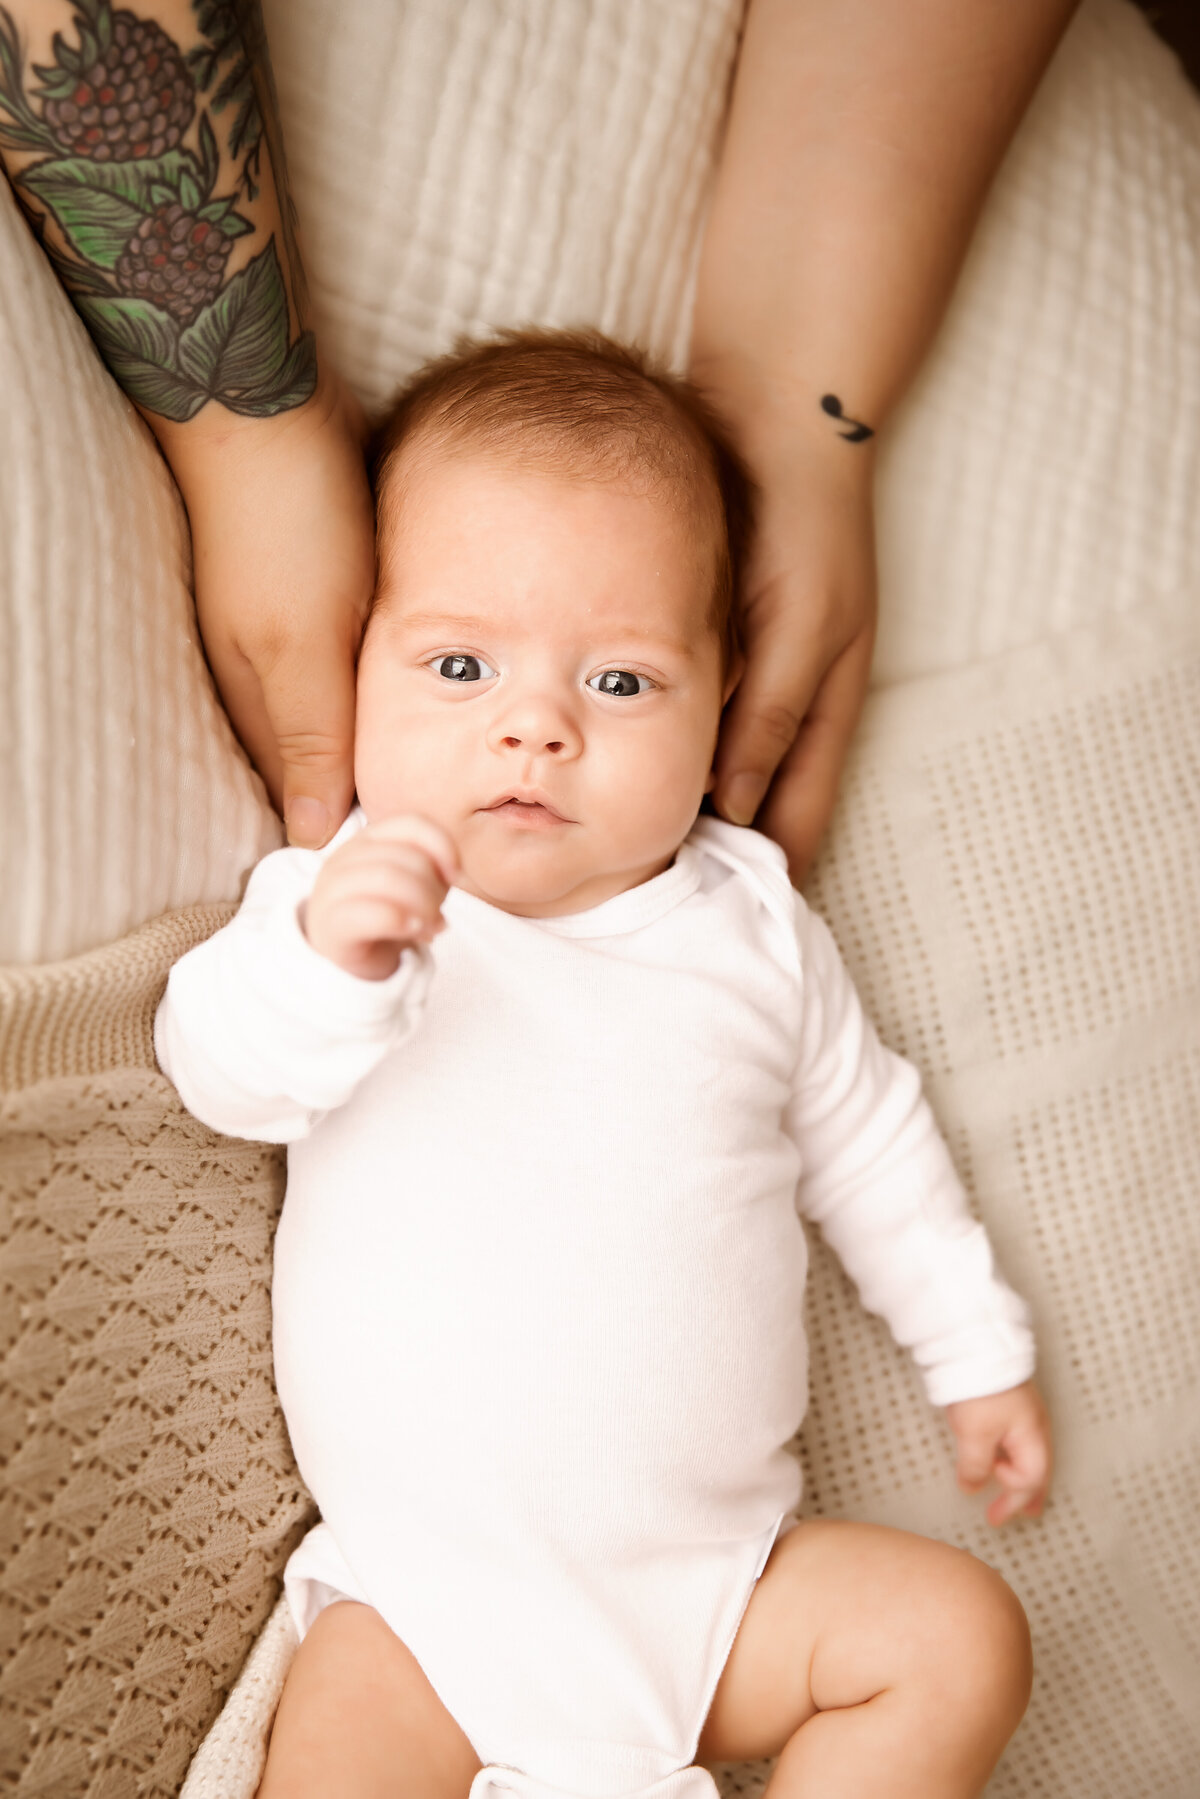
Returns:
(579,403)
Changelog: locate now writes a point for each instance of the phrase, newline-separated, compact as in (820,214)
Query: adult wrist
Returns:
(780,417)
(209,448)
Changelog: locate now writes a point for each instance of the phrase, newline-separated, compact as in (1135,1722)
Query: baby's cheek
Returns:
(388,771)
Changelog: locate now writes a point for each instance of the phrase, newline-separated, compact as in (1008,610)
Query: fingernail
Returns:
(308,823)
(743,797)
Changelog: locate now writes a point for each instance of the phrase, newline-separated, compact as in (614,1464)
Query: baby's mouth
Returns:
(528,811)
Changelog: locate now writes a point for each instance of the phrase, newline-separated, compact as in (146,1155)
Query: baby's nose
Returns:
(536,723)
(532,741)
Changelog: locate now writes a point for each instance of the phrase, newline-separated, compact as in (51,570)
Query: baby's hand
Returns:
(1006,1435)
(380,893)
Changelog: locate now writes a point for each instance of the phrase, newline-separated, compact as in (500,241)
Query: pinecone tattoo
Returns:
(175,259)
(130,98)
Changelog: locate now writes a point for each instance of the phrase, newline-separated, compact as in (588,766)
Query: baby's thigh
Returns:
(843,1611)
(357,1717)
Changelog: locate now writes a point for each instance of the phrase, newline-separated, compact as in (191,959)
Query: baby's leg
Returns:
(358,1718)
(876,1665)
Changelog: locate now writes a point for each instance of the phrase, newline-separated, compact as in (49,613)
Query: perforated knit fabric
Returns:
(149,1497)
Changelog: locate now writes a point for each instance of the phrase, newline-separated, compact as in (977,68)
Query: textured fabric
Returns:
(149,1497)
(1044,470)
(541,161)
(232,1757)
(463,166)
(94,1013)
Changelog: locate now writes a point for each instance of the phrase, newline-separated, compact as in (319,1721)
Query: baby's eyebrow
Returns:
(444,621)
(450,624)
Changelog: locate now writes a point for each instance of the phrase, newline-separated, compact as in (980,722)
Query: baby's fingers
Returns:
(1023,1470)
(411,828)
(402,871)
(363,911)
(1007,1506)
(412,889)
(976,1459)
(1024,1467)
(365,919)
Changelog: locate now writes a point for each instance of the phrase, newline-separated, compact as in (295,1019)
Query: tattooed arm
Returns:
(861,143)
(143,143)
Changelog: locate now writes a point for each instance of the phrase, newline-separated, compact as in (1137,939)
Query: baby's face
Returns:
(540,679)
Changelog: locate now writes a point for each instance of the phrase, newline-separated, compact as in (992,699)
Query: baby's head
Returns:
(552,640)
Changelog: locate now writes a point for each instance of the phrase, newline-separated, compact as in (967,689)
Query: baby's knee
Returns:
(987,1652)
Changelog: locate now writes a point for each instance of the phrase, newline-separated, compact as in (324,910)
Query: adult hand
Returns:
(283,540)
(808,626)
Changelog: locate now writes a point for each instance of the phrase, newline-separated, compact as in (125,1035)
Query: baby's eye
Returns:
(620,682)
(462,668)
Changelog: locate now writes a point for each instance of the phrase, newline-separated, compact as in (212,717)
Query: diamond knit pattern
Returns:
(150,1498)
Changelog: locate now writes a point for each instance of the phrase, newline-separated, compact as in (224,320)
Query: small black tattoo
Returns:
(858,432)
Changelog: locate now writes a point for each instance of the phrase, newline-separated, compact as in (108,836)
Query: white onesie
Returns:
(539,1276)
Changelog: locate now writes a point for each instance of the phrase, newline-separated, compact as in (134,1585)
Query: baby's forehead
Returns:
(430,489)
(427,458)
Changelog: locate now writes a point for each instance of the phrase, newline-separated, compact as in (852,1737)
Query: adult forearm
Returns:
(143,142)
(861,142)
(144,145)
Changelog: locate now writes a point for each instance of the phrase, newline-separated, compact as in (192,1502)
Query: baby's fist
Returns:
(380,893)
(1005,1435)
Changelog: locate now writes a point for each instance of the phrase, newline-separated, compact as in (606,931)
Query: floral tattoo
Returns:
(130,173)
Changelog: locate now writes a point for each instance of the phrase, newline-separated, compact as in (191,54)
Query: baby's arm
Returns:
(878,1180)
(276,1019)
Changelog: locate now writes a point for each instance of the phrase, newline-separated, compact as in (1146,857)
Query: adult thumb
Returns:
(308,694)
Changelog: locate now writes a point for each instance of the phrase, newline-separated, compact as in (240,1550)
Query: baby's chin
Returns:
(540,885)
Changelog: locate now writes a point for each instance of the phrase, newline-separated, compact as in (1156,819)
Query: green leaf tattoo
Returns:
(240,343)
(242,337)
(100,205)
(147,237)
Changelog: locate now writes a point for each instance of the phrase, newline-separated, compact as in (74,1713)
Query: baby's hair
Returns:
(580,404)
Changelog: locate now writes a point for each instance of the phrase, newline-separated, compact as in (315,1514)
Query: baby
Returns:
(562,1066)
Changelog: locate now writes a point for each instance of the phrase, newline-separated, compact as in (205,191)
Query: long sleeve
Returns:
(260,1034)
(878,1180)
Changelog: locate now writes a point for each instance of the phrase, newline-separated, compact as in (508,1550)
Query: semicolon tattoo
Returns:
(858,432)
(130,173)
